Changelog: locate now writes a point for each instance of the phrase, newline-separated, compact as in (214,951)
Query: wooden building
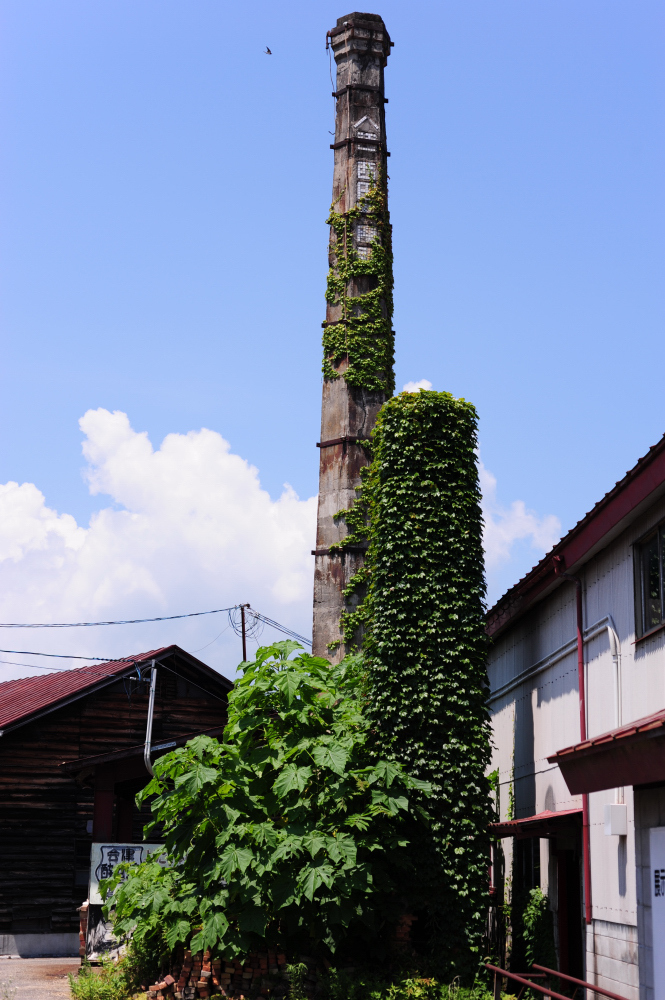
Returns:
(577,677)
(72,747)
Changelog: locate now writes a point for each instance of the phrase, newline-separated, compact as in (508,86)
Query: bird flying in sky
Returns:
(268,52)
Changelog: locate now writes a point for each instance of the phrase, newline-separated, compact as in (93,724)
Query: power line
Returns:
(258,617)
(64,656)
(35,666)
(280,628)
(128,621)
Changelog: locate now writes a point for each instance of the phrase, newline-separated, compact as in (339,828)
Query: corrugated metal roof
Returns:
(542,820)
(643,726)
(28,695)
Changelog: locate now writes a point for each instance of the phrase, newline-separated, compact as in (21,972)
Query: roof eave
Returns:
(112,678)
(640,488)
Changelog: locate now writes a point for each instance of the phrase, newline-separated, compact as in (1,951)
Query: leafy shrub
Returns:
(344,985)
(297,974)
(290,832)
(538,931)
(106,982)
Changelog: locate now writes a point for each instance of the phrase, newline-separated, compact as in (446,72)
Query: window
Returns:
(651,570)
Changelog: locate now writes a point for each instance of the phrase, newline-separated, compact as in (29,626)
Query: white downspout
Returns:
(615,650)
(151,709)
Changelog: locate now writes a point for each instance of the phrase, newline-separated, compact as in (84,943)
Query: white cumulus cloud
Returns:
(189,529)
(424,383)
(505,527)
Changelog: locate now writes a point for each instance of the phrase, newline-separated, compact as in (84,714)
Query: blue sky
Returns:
(164,192)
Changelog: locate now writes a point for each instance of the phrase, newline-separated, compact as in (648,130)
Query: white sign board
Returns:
(657,888)
(105,857)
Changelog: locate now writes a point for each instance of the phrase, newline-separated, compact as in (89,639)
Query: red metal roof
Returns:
(533,826)
(645,725)
(633,754)
(603,522)
(29,695)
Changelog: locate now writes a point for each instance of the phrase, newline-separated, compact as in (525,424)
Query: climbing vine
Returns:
(363,334)
(425,651)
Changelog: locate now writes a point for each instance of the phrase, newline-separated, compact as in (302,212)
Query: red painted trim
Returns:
(648,723)
(531,825)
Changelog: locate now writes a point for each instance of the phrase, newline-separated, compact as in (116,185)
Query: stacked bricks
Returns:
(83,927)
(199,976)
(402,934)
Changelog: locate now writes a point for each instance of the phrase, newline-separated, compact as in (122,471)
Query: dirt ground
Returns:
(36,978)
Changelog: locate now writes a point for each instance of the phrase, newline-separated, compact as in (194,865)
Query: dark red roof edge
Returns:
(638,727)
(607,518)
(510,826)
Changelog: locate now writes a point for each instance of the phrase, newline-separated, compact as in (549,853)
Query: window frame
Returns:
(639,573)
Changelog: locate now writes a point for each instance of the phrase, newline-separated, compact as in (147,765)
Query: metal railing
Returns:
(579,982)
(500,973)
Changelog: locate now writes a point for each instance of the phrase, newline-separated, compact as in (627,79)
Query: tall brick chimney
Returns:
(358,337)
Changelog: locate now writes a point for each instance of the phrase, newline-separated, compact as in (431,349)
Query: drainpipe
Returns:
(151,709)
(615,650)
(559,569)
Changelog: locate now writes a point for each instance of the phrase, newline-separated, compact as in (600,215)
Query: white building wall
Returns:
(537,714)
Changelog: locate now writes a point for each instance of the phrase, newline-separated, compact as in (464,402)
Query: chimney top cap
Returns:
(361,17)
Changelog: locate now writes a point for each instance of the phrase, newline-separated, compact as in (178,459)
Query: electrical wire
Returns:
(211,641)
(99,673)
(128,621)
(281,628)
(37,666)
(256,615)
(64,656)
(253,627)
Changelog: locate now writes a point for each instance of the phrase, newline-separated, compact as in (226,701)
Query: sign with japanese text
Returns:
(104,858)
(657,845)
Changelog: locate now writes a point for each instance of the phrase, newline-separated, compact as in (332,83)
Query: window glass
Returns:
(652,583)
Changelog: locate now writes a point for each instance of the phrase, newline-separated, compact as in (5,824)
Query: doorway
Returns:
(570,924)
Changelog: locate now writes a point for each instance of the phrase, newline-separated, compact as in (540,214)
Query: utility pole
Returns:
(358,337)
(244,631)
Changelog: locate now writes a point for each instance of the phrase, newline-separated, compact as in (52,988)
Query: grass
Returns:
(105,982)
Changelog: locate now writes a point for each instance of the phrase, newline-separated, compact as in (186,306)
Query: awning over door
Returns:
(634,754)
(544,824)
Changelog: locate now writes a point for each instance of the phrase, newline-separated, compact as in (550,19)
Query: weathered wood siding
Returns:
(46,811)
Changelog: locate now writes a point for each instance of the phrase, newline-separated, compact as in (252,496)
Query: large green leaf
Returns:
(332,756)
(288,683)
(193,781)
(291,777)
(315,842)
(214,928)
(314,876)
(234,859)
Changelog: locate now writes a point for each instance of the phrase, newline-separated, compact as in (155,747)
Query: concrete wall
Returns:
(39,945)
(612,958)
